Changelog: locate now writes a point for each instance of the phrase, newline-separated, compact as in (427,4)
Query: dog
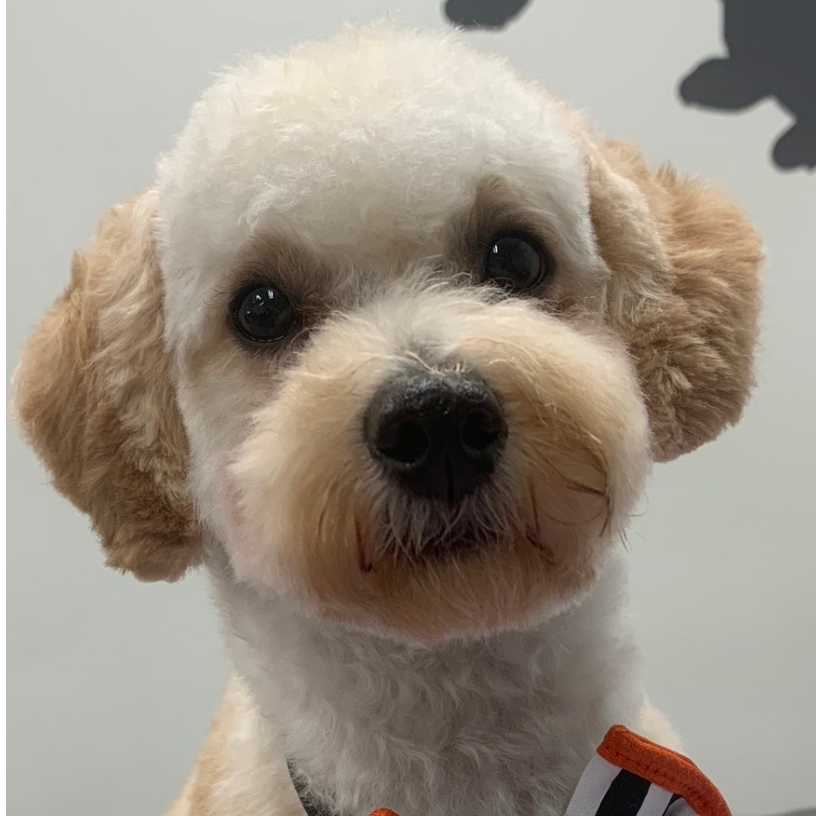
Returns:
(389,347)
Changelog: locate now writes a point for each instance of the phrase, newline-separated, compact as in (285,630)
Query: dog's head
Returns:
(396,330)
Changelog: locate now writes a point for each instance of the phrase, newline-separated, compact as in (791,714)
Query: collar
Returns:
(313,805)
(627,776)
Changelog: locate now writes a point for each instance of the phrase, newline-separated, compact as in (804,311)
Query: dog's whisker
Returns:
(534,508)
(365,563)
(624,538)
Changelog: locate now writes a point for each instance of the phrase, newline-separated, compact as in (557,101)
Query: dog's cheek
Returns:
(244,541)
(292,521)
(575,410)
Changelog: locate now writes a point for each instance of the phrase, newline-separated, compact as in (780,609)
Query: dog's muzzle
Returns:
(438,436)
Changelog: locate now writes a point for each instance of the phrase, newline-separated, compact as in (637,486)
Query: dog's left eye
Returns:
(262,314)
(516,263)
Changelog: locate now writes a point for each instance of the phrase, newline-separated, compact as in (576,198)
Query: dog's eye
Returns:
(262,314)
(517,263)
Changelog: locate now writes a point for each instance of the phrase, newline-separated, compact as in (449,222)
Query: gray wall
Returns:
(111,683)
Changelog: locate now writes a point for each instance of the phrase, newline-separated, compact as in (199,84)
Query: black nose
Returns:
(440,437)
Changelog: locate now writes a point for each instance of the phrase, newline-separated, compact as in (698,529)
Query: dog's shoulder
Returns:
(236,773)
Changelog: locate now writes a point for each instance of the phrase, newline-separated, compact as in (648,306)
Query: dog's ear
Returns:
(94,397)
(684,292)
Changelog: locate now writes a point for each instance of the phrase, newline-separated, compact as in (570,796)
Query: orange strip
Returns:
(382,812)
(663,767)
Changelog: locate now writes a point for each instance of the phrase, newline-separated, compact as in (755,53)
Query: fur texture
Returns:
(366,177)
(96,402)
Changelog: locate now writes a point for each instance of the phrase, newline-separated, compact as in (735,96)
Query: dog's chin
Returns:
(469,613)
(453,587)
(434,625)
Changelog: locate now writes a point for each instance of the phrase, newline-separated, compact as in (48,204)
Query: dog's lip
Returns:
(456,546)
(437,551)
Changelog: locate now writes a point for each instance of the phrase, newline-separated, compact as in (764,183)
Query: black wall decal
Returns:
(771,53)
(491,14)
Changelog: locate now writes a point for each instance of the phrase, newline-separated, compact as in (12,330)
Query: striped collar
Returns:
(627,776)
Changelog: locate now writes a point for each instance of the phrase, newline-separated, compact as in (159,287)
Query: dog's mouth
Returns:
(428,568)
(434,534)
(405,530)
(450,548)
(464,547)
(441,548)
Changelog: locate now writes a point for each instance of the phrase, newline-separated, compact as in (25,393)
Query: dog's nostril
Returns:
(405,442)
(481,430)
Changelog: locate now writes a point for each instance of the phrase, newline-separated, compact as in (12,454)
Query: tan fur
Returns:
(95,401)
(239,771)
(350,547)
(685,293)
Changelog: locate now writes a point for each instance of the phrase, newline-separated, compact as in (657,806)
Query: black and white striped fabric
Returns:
(631,776)
(607,790)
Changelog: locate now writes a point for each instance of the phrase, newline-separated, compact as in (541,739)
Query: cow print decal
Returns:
(771,53)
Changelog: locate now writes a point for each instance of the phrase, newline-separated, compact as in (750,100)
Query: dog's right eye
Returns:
(517,263)
(262,314)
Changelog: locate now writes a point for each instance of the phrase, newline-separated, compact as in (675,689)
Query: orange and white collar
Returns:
(631,776)
(627,776)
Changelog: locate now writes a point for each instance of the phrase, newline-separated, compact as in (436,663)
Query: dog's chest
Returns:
(496,728)
(463,751)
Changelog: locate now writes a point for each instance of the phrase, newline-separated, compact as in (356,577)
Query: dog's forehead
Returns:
(360,144)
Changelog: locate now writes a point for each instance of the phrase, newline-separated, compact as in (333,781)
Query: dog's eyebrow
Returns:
(495,208)
(499,206)
(278,261)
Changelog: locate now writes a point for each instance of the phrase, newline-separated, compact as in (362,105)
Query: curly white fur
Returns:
(500,725)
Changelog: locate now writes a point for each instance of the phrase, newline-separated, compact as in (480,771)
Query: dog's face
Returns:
(421,335)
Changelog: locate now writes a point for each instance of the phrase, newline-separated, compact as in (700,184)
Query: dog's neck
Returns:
(500,726)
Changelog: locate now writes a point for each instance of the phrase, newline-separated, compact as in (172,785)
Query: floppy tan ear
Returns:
(684,293)
(95,400)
